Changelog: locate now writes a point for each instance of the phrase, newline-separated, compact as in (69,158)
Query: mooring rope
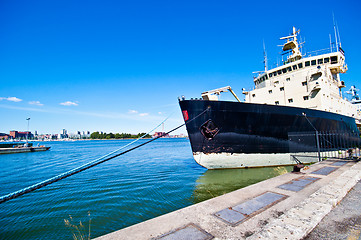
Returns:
(90,164)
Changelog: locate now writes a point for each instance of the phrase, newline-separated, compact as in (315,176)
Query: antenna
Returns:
(338,34)
(265,61)
(334,28)
(330,42)
(301,44)
(304,46)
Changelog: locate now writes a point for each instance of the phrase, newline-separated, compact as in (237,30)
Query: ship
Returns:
(302,95)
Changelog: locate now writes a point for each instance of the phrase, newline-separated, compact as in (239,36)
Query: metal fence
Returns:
(325,145)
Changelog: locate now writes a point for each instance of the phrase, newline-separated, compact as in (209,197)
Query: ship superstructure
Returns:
(310,82)
(304,94)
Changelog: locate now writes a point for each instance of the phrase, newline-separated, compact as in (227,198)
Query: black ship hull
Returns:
(227,134)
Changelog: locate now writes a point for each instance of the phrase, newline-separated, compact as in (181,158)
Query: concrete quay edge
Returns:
(300,220)
(292,218)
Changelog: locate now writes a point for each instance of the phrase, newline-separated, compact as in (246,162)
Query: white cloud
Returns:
(11,99)
(37,103)
(139,114)
(133,111)
(68,103)
(160,113)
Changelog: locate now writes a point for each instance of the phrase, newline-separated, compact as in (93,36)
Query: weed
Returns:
(78,231)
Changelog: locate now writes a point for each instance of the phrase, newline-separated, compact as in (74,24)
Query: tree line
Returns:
(98,135)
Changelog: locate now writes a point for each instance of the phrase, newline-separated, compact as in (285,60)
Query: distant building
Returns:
(158,134)
(16,134)
(4,136)
(178,136)
(81,135)
(63,134)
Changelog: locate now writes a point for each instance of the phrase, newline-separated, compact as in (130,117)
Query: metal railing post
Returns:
(318,147)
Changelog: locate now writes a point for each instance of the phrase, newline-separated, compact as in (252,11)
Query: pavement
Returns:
(289,206)
(343,222)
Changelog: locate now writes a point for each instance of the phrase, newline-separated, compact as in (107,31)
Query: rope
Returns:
(88,165)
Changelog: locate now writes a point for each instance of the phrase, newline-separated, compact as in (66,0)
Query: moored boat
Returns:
(21,148)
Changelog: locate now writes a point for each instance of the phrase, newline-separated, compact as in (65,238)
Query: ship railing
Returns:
(323,51)
(323,145)
(307,54)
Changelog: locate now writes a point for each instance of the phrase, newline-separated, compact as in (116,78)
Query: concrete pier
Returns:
(284,207)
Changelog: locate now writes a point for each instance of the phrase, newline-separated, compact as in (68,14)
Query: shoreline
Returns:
(73,140)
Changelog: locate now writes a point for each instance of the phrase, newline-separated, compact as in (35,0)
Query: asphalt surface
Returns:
(344,221)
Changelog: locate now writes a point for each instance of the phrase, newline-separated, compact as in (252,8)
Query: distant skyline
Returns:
(119,66)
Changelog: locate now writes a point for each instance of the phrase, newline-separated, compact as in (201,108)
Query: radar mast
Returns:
(292,44)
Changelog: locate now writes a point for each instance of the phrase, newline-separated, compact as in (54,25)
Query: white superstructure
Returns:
(308,82)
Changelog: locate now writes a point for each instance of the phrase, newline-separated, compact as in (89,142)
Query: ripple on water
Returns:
(153,180)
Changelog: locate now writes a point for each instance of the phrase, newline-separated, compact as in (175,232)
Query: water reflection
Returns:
(214,183)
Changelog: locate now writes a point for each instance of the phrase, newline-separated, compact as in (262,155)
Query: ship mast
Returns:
(334,28)
(265,61)
(292,44)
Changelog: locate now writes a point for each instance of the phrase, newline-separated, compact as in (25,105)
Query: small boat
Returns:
(21,148)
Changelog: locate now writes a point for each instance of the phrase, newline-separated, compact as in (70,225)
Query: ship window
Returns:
(282,88)
(284,70)
(316,76)
(290,100)
(333,59)
(305,98)
(270,74)
(307,63)
(300,65)
(279,72)
(326,60)
(304,83)
(289,69)
(313,62)
(266,76)
(288,79)
(269,91)
(277,102)
(253,95)
(294,67)
(274,74)
(320,61)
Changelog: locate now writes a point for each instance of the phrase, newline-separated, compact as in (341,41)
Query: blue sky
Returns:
(119,66)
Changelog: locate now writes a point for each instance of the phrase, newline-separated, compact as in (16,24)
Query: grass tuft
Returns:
(78,231)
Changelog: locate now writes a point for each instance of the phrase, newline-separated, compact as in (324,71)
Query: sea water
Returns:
(153,180)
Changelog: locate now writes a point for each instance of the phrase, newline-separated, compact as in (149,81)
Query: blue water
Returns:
(153,180)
